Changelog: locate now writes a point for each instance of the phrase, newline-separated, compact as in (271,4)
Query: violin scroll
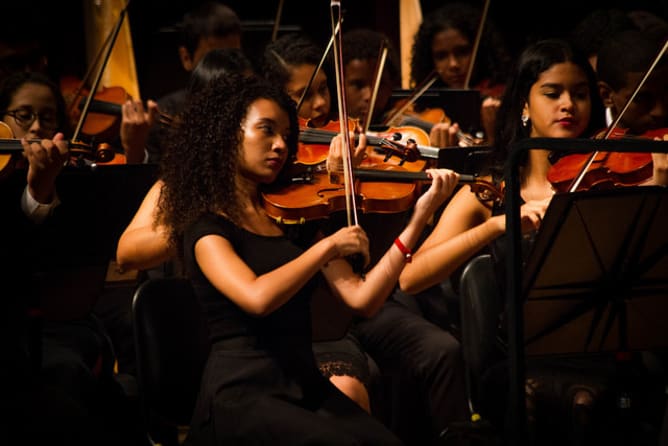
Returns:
(485,191)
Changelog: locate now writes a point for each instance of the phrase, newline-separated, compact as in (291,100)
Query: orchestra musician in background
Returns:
(206,26)
(444,43)
(59,361)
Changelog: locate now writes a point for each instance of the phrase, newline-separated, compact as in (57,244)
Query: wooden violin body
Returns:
(102,126)
(607,169)
(311,195)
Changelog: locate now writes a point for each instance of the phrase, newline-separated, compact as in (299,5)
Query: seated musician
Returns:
(444,43)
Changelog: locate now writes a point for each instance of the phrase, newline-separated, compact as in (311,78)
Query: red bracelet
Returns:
(408,254)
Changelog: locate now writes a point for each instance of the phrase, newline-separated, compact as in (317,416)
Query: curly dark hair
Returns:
(200,163)
(534,60)
(492,59)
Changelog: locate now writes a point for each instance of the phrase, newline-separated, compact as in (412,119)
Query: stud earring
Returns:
(525,120)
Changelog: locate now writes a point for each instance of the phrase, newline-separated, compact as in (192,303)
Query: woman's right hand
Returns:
(444,134)
(531,214)
(350,240)
(136,124)
(488,111)
(335,156)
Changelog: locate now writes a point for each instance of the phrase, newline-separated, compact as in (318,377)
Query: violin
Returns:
(606,169)
(391,189)
(11,151)
(99,106)
(404,146)
(98,124)
(310,195)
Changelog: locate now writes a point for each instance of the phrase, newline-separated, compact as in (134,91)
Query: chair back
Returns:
(480,306)
(172,345)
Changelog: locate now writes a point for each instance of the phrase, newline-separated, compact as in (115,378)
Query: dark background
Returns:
(159,70)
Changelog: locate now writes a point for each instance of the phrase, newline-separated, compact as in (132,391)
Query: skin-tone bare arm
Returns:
(261,295)
(465,227)
(143,245)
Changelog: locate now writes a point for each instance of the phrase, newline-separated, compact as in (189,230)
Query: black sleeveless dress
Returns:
(261,384)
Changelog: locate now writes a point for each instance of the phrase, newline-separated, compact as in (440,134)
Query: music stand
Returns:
(461,105)
(516,426)
(596,279)
(470,160)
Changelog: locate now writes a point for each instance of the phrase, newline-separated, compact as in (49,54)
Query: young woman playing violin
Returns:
(143,245)
(552,92)
(64,373)
(33,111)
(258,304)
(632,83)
(444,44)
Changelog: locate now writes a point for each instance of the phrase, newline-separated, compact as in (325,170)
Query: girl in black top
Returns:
(261,384)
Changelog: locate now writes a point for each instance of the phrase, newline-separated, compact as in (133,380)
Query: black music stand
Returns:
(461,105)
(516,287)
(473,160)
(596,279)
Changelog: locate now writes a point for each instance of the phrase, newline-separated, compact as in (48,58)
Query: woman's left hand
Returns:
(46,159)
(443,183)
(335,155)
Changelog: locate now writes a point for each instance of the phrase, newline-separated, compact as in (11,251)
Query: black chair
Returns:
(171,342)
(480,309)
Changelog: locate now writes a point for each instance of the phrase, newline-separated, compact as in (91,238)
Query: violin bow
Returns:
(98,76)
(89,71)
(576,182)
(351,208)
(476,44)
(279,12)
(428,82)
(356,260)
(320,64)
(376,85)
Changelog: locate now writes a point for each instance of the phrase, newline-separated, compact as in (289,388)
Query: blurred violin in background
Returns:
(105,110)
(102,126)
(11,152)
(406,113)
(399,146)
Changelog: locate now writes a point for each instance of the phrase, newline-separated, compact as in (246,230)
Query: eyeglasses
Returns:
(25,117)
